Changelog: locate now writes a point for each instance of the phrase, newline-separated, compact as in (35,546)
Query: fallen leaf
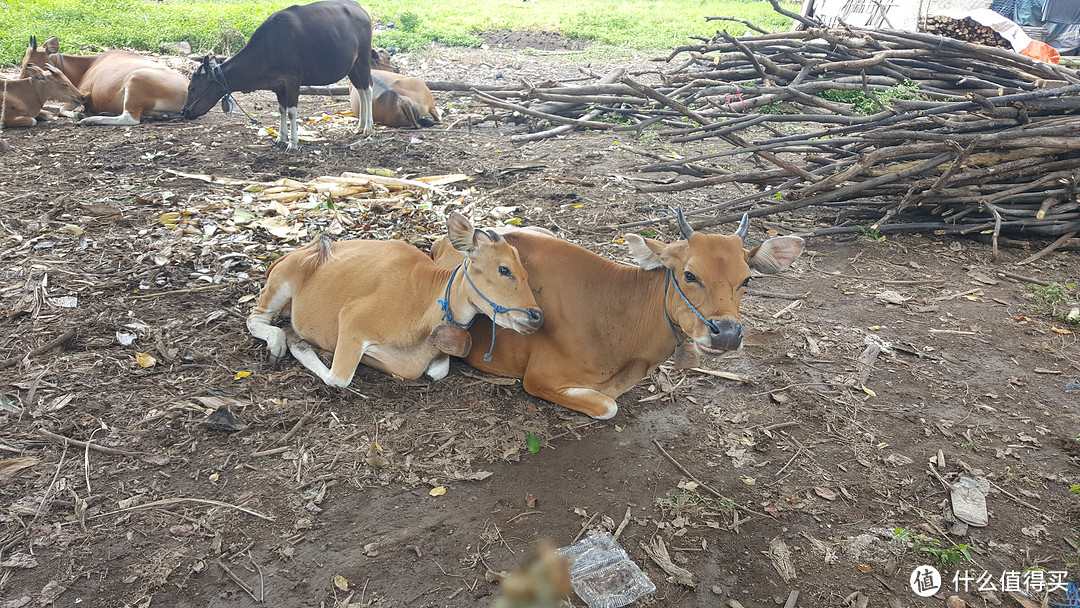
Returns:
(1064,332)
(341,582)
(437,491)
(145,360)
(240,375)
(825,493)
(868,391)
(530,500)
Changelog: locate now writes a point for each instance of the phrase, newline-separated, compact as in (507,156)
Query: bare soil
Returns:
(812,463)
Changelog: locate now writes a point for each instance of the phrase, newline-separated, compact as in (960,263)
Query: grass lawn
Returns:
(222,25)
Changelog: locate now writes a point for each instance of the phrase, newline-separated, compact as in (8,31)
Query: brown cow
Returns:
(23,98)
(125,86)
(608,324)
(398,101)
(382,303)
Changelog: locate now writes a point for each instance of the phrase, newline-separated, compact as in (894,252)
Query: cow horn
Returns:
(33,42)
(744,226)
(684,226)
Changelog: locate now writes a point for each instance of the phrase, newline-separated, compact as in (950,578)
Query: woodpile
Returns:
(964,29)
(907,131)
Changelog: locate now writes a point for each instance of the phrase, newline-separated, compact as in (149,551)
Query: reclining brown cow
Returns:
(24,98)
(387,305)
(122,85)
(607,324)
(398,101)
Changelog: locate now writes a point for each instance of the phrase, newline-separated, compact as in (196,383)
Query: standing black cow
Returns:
(315,44)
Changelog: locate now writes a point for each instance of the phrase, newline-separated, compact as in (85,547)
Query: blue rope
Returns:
(219,77)
(670,278)
(444,304)
(1072,597)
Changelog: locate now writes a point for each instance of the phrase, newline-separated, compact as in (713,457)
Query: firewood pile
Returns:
(964,29)
(988,141)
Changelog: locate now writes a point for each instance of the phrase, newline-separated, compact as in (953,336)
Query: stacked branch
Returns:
(988,140)
(964,29)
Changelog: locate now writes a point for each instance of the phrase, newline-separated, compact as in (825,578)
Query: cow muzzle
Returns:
(724,335)
(528,321)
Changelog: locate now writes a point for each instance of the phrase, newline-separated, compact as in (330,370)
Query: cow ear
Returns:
(460,233)
(775,255)
(52,45)
(33,71)
(646,252)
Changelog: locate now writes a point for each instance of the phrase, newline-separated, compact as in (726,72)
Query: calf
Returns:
(386,304)
(23,98)
(314,44)
(123,85)
(398,101)
(608,324)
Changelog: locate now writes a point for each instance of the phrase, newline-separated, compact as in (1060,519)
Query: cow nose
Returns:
(725,334)
(536,318)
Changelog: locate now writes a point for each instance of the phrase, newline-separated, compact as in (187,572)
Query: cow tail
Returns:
(324,251)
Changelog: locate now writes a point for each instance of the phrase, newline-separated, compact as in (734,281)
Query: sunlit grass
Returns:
(214,24)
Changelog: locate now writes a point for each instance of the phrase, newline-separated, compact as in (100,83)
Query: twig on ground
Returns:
(44,348)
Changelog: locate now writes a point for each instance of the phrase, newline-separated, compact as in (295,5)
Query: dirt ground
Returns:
(801,473)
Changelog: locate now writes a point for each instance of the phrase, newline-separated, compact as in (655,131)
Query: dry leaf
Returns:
(825,493)
(437,491)
(530,500)
(341,582)
(145,360)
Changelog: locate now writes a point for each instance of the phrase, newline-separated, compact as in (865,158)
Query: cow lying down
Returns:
(398,101)
(607,324)
(387,305)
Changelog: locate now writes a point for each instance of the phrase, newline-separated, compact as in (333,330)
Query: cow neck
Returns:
(452,297)
(74,67)
(649,328)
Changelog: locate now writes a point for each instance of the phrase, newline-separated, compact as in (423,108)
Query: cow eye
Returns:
(504,271)
(745,283)
(690,277)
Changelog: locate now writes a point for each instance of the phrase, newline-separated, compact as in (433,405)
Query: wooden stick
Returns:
(44,348)
(1049,248)
(84,444)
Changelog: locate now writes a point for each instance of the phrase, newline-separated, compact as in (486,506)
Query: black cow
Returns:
(314,44)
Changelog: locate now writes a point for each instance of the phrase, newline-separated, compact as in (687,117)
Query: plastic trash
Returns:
(602,574)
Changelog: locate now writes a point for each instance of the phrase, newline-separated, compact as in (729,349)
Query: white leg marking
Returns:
(124,120)
(367,119)
(294,133)
(438,368)
(260,327)
(592,395)
(305,354)
(283,130)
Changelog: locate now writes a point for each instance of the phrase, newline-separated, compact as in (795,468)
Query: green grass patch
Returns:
(647,25)
(1057,300)
(864,104)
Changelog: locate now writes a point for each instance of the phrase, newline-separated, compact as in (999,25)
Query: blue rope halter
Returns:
(669,278)
(219,79)
(448,315)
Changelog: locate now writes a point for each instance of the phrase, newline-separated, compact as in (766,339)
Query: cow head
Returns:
(39,54)
(53,84)
(498,278)
(380,60)
(207,86)
(708,274)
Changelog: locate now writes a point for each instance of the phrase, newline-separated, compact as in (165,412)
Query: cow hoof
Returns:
(275,360)
(453,341)
(686,356)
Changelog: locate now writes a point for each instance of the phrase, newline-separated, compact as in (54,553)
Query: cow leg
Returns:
(585,400)
(21,121)
(365,117)
(294,130)
(125,119)
(283,127)
(45,115)
(341,372)
(258,322)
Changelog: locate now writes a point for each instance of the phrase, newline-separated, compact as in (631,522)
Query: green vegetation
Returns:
(869,232)
(864,104)
(218,24)
(1056,300)
(921,543)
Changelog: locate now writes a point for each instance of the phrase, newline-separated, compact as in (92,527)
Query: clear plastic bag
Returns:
(602,574)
